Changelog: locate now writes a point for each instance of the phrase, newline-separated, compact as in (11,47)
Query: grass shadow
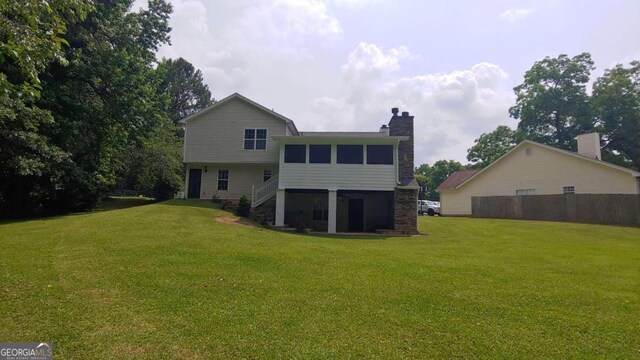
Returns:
(121,202)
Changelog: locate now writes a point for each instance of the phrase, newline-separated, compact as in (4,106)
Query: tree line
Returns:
(85,105)
(552,107)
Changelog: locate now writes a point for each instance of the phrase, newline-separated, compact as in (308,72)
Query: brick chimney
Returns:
(403,126)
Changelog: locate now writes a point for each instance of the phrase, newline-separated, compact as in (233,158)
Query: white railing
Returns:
(263,192)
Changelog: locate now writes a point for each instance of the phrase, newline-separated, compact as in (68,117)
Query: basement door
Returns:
(195,179)
(356,215)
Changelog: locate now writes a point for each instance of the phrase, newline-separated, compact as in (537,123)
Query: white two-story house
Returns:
(327,181)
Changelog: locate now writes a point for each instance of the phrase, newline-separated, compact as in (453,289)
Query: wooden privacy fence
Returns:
(614,209)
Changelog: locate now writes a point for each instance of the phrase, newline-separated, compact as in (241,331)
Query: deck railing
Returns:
(263,192)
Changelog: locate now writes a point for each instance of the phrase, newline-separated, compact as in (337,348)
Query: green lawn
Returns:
(167,281)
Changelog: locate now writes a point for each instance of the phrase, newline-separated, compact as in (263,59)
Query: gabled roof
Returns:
(455,179)
(458,184)
(290,124)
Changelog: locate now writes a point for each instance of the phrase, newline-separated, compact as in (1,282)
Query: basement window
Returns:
(521,192)
(223,179)
(568,190)
(296,154)
(255,139)
(380,154)
(319,154)
(320,210)
(350,154)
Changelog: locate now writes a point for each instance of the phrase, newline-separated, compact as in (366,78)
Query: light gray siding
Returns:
(337,177)
(242,177)
(217,135)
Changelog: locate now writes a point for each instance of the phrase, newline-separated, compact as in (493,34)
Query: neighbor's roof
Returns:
(455,179)
(459,184)
(290,124)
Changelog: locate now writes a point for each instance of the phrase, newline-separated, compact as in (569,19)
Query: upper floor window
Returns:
(295,153)
(223,179)
(320,154)
(380,154)
(568,190)
(350,154)
(255,139)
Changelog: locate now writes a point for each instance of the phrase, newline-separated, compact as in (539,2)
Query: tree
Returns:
(434,175)
(184,86)
(552,103)
(61,150)
(491,146)
(616,100)
(156,167)
(105,100)
(32,33)
(31,36)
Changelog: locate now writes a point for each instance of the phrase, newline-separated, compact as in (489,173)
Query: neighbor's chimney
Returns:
(403,126)
(384,129)
(589,145)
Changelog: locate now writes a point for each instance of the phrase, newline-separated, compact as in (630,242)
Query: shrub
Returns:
(244,207)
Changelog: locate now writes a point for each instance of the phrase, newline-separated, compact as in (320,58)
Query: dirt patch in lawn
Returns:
(235,221)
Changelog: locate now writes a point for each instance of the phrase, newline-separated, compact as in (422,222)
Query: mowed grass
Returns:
(167,281)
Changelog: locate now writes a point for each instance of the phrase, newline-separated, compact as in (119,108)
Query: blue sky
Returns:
(342,64)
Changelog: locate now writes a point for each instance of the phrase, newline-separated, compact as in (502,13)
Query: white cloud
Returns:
(230,40)
(287,27)
(369,61)
(513,15)
(451,109)
(355,4)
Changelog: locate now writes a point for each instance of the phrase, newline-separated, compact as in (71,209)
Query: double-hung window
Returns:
(266,175)
(223,179)
(255,139)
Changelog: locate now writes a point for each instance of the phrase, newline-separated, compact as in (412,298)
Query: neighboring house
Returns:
(531,168)
(328,181)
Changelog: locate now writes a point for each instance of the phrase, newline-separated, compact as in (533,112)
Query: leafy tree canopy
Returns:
(616,101)
(184,86)
(491,146)
(552,103)
(433,176)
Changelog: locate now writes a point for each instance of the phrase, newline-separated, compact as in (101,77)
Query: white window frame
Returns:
(255,138)
(223,180)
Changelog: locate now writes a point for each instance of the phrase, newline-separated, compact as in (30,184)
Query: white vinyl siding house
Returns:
(536,169)
(330,181)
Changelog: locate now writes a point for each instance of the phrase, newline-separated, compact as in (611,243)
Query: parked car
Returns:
(428,207)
